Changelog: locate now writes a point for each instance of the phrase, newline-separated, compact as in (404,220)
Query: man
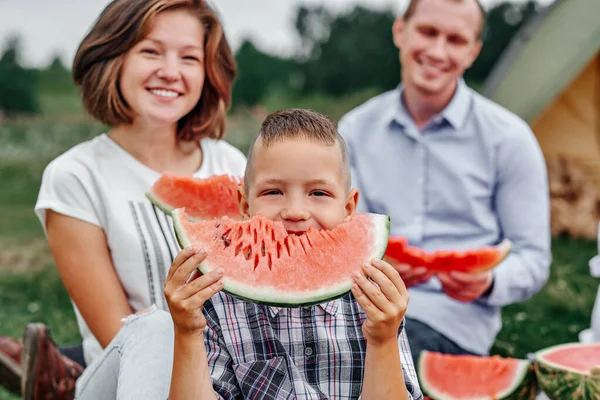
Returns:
(454,171)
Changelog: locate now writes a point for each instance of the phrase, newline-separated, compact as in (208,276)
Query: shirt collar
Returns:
(455,112)
(330,307)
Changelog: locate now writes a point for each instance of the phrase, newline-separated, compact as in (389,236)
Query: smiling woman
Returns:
(158,73)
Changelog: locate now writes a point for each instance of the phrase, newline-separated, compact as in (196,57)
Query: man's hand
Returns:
(411,275)
(465,287)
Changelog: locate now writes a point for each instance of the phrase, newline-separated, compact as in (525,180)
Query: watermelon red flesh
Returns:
(208,198)
(569,371)
(265,264)
(473,260)
(464,377)
(578,359)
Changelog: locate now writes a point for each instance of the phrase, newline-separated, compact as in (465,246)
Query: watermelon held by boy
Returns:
(471,260)
(265,264)
(466,377)
(208,198)
(569,371)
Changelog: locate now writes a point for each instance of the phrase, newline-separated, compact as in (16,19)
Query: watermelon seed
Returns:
(270,261)
(308,239)
(262,248)
(240,232)
(273,234)
(238,248)
(248,252)
(302,244)
(278,250)
(225,237)
(256,261)
(255,236)
(218,224)
(286,242)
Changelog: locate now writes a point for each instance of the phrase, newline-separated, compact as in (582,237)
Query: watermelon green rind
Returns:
(560,381)
(161,204)
(524,384)
(263,295)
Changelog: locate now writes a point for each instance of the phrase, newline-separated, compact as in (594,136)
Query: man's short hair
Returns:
(412,6)
(294,124)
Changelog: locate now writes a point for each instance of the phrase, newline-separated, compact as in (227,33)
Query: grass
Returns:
(30,288)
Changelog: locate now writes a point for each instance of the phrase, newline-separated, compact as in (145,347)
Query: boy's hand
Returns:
(186,291)
(384,305)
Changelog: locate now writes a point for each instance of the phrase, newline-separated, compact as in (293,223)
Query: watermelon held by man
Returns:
(469,261)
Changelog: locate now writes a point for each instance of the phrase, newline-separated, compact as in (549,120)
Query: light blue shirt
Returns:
(475,174)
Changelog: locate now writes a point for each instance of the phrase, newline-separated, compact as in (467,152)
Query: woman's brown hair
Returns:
(123,24)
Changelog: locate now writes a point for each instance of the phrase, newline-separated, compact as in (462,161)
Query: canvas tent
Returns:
(550,76)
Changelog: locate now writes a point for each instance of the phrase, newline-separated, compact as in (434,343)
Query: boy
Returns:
(297,173)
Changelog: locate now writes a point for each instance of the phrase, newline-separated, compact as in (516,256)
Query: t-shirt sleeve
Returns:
(237,160)
(232,160)
(68,187)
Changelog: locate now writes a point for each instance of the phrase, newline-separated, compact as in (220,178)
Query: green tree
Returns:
(55,78)
(17,84)
(502,23)
(258,72)
(348,52)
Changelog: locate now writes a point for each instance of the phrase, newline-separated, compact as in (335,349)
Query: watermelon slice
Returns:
(473,260)
(569,371)
(208,198)
(465,377)
(264,264)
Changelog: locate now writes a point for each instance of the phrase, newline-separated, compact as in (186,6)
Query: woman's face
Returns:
(163,75)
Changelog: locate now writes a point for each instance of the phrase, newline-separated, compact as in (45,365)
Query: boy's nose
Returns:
(294,214)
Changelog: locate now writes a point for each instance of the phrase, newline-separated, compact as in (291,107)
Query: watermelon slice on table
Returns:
(472,260)
(466,377)
(569,371)
(213,197)
(264,264)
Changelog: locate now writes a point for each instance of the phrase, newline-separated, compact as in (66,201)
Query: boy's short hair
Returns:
(303,124)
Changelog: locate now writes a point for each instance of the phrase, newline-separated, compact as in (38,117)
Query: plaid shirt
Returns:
(262,352)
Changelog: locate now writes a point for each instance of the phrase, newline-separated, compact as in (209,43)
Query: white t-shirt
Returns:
(99,182)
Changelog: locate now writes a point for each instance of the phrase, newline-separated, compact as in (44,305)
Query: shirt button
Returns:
(308,351)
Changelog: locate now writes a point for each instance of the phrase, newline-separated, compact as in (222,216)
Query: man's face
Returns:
(437,44)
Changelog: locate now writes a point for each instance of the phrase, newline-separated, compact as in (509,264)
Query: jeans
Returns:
(423,337)
(73,352)
(136,364)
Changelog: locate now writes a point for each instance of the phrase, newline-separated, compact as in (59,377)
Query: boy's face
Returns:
(299,183)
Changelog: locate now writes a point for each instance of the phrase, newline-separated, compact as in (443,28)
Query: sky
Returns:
(49,27)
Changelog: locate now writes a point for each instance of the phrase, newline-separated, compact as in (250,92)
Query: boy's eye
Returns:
(272,192)
(149,51)
(319,193)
